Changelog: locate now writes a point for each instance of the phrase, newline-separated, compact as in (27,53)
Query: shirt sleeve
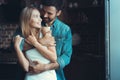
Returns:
(65,58)
(17,32)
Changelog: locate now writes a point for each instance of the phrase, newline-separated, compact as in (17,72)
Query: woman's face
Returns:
(35,20)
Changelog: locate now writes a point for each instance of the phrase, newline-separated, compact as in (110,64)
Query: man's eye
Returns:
(50,13)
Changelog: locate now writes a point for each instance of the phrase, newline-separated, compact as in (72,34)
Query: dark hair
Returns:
(58,4)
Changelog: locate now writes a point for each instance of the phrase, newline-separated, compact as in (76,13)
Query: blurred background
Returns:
(86,19)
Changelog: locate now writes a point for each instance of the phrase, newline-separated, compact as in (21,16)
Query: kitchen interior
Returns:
(86,19)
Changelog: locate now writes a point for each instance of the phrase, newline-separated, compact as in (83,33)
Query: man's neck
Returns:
(51,23)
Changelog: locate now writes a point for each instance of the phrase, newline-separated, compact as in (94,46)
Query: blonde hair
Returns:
(25,19)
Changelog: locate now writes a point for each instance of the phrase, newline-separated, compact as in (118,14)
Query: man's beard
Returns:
(47,20)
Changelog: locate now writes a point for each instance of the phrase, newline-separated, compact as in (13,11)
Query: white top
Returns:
(34,55)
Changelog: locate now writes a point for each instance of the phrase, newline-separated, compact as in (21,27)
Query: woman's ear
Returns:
(59,12)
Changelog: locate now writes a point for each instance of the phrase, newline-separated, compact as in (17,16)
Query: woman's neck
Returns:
(35,31)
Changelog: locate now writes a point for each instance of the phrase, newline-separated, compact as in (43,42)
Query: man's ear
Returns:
(59,12)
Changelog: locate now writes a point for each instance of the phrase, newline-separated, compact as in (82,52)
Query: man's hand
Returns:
(37,67)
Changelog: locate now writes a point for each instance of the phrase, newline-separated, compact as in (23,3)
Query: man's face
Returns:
(49,14)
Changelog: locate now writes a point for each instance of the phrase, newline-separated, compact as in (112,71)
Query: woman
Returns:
(31,30)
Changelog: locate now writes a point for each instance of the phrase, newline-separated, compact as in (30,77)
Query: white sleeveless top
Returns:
(34,55)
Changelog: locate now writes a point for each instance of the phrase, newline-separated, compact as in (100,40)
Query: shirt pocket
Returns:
(59,44)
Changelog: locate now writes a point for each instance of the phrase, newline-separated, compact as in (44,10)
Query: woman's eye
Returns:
(37,16)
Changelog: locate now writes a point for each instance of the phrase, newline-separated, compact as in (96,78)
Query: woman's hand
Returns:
(31,39)
(47,40)
(17,41)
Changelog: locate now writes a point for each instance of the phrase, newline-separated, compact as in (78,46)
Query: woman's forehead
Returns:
(35,11)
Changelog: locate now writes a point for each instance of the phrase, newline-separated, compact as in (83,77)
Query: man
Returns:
(63,37)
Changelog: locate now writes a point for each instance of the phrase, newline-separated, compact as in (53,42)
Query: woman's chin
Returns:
(38,27)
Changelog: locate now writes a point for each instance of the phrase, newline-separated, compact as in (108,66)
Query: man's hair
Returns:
(58,4)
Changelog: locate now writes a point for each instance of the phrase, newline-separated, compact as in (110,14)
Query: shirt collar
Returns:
(54,23)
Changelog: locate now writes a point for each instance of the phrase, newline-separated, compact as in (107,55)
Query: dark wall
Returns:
(10,11)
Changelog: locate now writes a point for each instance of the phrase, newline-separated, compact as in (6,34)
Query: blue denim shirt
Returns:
(63,38)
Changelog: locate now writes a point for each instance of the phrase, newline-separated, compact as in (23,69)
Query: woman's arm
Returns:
(21,57)
(49,52)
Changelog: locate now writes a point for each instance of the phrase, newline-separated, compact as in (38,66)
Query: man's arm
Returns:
(66,52)
(62,60)
(39,67)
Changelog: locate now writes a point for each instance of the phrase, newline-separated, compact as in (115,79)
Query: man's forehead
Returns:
(49,8)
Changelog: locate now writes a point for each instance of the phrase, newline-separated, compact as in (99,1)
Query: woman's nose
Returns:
(40,19)
(45,15)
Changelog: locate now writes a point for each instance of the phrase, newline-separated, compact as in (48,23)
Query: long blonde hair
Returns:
(25,19)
